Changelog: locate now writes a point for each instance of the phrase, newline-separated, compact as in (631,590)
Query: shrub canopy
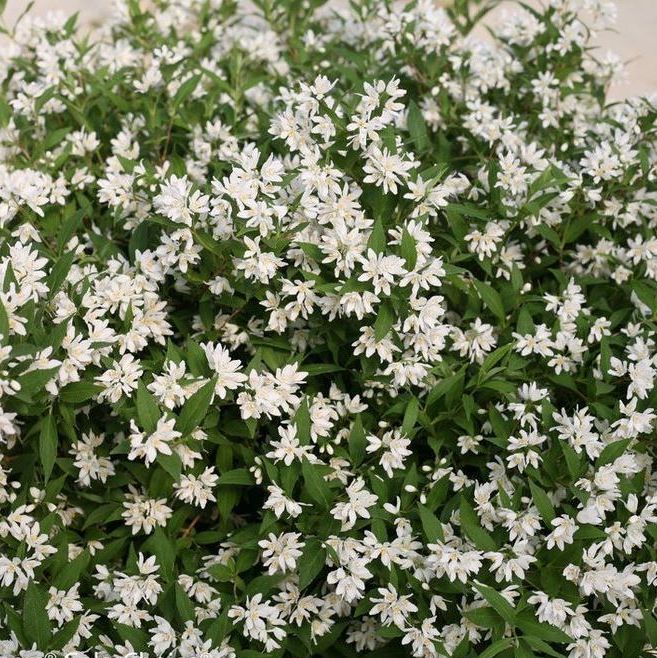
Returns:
(326,331)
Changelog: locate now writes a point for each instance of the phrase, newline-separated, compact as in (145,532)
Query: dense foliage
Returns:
(326,331)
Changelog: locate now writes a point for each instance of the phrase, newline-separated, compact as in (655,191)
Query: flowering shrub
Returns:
(326,332)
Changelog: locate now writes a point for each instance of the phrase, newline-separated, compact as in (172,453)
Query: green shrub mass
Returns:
(326,329)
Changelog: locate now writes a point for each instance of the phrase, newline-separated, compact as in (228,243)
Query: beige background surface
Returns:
(635,38)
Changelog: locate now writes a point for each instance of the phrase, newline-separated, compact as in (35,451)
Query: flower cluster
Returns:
(326,330)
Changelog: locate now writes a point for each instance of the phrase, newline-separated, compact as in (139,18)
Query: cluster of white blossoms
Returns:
(326,330)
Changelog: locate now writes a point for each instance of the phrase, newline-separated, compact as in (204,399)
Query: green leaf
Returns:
(102,514)
(55,137)
(541,645)
(263,584)
(605,356)
(14,622)
(64,634)
(533,628)
(4,323)
(549,233)
(500,427)
(238,476)
(172,464)
(41,100)
(572,459)
(516,279)
(316,486)
(196,408)
(612,451)
(410,416)
(221,572)
(59,271)
(77,392)
(183,604)
(525,324)
(377,239)
(139,239)
(384,320)
(456,223)
(485,617)
(148,411)
(36,624)
(186,89)
(6,112)
(523,650)
(161,546)
(650,625)
(495,357)
(472,528)
(469,210)
(48,445)
(311,562)
(417,127)
(445,386)
(431,525)
(303,422)
(71,572)
(491,298)
(646,294)
(438,493)
(312,251)
(357,442)
(135,636)
(497,647)
(35,380)
(315,369)
(209,243)
(408,250)
(543,504)
(498,603)
(219,629)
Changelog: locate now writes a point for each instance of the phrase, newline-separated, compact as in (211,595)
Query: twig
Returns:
(190,527)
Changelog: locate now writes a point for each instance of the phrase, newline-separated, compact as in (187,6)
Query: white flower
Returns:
(564,529)
(360,499)
(219,360)
(197,490)
(167,388)
(381,270)
(63,604)
(281,552)
(288,448)
(163,636)
(455,564)
(395,449)
(176,203)
(349,580)
(475,342)
(391,607)
(144,514)
(279,503)
(386,169)
(148,447)
(120,380)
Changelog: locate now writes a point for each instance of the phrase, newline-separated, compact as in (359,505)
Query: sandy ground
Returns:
(633,40)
